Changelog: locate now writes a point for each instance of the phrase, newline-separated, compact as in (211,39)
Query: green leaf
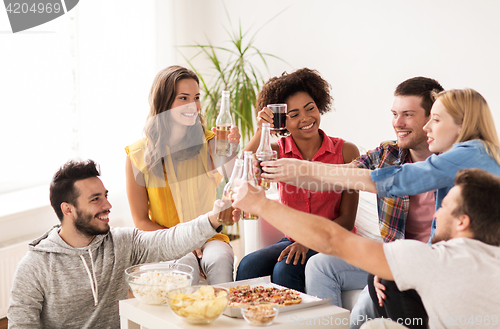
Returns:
(233,68)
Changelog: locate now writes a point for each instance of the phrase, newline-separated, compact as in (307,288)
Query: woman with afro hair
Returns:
(307,96)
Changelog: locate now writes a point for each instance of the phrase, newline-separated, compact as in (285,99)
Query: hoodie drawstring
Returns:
(94,280)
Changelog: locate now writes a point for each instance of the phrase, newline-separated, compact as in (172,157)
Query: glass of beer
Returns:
(279,116)
(226,216)
(249,177)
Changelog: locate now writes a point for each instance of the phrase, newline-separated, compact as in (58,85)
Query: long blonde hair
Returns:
(469,109)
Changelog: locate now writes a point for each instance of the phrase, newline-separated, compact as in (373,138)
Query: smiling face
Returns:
(92,207)
(445,216)
(186,105)
(442,130)
(408,120)
(303,117)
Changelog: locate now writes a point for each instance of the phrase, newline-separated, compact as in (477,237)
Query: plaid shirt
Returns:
(392,213)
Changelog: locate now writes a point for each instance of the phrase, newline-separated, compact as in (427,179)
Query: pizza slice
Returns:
(245,295)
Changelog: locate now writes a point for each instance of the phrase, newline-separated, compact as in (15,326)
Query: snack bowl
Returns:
(198,304)
(150,283)
(261,314)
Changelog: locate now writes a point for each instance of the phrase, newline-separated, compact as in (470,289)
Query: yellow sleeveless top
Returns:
(183,195)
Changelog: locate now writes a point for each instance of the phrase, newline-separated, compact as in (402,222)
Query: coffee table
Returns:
(134,314)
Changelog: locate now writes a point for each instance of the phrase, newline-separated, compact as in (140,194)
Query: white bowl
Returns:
(150,283)
(261,314)
(198,304)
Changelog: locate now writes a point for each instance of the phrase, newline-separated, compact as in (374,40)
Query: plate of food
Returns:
(262,291)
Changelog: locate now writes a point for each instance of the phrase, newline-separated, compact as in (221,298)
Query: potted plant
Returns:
(233,68)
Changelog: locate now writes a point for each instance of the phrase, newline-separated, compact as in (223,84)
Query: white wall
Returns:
(117,63)
(365,48)
(118,55)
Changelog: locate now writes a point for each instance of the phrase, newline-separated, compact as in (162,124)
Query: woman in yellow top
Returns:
(171,173)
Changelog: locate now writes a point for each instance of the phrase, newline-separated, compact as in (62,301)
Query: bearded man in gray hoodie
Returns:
(74,275)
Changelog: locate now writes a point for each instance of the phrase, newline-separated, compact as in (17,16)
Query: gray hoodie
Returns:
(58,286)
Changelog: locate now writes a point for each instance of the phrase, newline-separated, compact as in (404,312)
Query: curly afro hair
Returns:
(279,89)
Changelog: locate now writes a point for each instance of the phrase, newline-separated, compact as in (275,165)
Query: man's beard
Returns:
(438,238)
(82,224)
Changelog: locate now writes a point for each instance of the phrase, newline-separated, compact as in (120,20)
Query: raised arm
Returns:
(138,198)
(315,232)
(177,241)
(319,176)
(223,164)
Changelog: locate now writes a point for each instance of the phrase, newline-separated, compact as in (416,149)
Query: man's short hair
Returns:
(479,192)
(62,186)
(426,88)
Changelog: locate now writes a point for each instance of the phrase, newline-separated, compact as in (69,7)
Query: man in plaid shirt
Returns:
(392,213)
(327,276)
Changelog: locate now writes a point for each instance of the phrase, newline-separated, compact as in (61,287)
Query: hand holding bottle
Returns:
(249,198)
(228,212)
(265,151)
(213,215)
(287,170)
(233,136)
(249,177)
